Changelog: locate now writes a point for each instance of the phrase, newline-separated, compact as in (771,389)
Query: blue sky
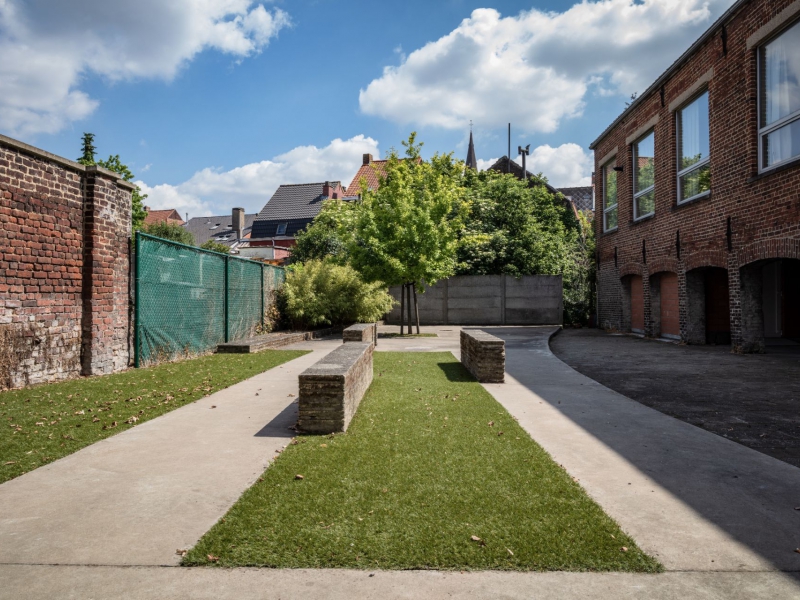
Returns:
(213,103)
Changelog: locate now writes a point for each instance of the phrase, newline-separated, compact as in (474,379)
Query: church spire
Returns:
(472,162)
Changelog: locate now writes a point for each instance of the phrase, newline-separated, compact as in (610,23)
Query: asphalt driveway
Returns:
(752,399)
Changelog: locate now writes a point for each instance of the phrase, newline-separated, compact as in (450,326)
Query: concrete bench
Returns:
(484,355)
(331,390)
(361,332)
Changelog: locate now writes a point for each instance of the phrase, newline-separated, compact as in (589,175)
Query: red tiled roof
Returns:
(161,216)
(372,173)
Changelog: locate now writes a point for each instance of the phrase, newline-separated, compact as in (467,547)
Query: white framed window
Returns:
(694,168)
(610,219)
(282,229)
(644,182)
(779,99)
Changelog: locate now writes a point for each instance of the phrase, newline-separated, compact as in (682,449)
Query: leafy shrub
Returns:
(170,231)
(323,293)
(216,247)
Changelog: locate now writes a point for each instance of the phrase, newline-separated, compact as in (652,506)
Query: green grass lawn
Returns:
(45,422)
(430,460)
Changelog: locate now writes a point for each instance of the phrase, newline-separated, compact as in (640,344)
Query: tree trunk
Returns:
(416,307)
(402,306)
(408,307)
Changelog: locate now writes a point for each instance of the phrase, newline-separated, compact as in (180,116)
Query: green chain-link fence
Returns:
(189,300)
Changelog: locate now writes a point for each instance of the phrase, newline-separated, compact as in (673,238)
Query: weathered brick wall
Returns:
(764,210)
(361,332)
(483,355)
(63,267)
(331,390)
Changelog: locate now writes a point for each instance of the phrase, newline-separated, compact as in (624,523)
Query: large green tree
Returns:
(329,235)
(113,163)
(405,231)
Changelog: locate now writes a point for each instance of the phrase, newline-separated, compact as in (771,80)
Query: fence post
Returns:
(136,300)
(263,320)
(225,304)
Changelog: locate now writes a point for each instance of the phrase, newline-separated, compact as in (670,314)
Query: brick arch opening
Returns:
(770,303)
(633,303)
(665,305)
(708,313)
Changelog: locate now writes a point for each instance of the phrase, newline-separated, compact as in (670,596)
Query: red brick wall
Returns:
(637,304)
(45,203)
(670,317)
(764,211)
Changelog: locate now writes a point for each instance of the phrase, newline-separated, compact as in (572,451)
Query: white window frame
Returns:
(606,208)
(636,195)
(278,230)
(763,132)
(697,165)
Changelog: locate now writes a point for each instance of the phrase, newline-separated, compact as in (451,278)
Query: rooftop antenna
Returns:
(524,152)
(508,169)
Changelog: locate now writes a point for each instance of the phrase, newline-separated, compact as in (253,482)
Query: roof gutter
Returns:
(671,70)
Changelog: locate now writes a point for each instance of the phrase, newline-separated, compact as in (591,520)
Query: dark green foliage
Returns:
(328,235)
(216,247)
(88,149)
(45,422)
(422,468)
(170,231)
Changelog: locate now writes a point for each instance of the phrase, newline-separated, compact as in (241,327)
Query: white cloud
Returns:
(535,69)
(565,166)
(213,191)
(48,46)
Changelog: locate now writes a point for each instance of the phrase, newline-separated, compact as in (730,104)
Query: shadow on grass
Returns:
(455,372)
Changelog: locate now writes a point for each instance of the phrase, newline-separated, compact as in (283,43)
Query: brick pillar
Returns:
(747,316)
(106,238)
(647,302)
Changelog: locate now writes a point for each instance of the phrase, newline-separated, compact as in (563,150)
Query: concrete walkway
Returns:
(137,497)
(696,501)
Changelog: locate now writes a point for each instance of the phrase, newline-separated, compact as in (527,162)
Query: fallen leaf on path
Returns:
(298,476)
(624,548)
(491,423)
(181,552)
(509,551)
(213,406)
(290,396)
(323,445)
(213,558)
(11,462)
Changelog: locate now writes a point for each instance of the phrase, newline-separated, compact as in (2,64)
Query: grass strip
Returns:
(433,473)
(43,423)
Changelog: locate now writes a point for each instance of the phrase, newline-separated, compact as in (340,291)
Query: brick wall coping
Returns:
(670,71)
(483,337)
(640,131)
(360,327)
(60,160)
(338,362)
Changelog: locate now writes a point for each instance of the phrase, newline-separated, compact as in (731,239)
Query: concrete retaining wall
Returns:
(489,300)
(484,355)
(331,390)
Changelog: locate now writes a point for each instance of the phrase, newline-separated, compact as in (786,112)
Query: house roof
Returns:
(372,172)
(161,216)
(672,69)
(293,204)
(581,197)
(217,228)
(502,166)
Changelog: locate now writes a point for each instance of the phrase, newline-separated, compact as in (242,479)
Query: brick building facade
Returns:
(703,241)
(64,267)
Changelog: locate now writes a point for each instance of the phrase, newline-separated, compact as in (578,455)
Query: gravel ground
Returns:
(751,399)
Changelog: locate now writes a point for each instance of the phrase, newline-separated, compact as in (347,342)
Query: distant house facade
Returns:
(170,216)
(290,210)
(231,230)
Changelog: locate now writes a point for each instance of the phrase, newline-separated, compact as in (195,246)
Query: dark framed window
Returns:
(610,219)
(282,229)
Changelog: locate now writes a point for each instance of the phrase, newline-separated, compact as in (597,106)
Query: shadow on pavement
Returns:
(279,426)
(750,496)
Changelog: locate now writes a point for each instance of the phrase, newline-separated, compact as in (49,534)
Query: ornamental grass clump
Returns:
(320,292)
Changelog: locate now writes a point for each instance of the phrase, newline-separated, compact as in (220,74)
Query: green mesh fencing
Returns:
(189,300)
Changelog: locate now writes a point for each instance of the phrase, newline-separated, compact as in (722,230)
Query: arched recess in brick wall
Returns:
(664,304)
(706,258)
(769,295)
(632,269)
(632,303)
(708,313)
(665,263)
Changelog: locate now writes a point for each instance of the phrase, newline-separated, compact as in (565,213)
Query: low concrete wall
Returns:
(361,332)
(488,300)
(331,390)
(484,355)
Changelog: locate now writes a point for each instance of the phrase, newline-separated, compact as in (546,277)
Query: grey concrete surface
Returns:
(753,399)
(694,500)
(489,300)
(137,497)
(176,583)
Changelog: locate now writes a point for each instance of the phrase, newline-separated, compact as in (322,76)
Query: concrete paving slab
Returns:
(137,497)
(21,582)
(696,501)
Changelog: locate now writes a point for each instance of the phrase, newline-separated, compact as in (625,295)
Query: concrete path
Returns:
(696,501)
(137,497)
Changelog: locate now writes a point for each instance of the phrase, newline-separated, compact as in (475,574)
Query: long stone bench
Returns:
(277,339)
(331,390)
(484,355)
(361,332)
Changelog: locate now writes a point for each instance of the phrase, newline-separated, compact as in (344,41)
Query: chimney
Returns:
(147,209)
(237,222)
(367,159)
